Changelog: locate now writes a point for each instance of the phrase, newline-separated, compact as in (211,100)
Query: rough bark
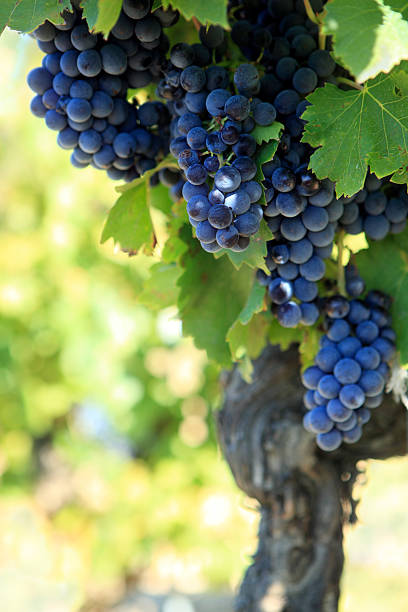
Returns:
(305,495)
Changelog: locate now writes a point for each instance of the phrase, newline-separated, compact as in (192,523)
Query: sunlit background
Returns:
(114,495)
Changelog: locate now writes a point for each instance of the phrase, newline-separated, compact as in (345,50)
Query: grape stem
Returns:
(322,39)
(311,14)
(196,23)
(220,159)
(350,83)
(341,279)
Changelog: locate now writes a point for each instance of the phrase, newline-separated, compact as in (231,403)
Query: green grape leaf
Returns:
(248,341)
(160,198)
(255,303)
(101,15)
(254,255)
(265,154)
(211,11)
(247,335)
(284,336)
(26,15)
(309,346)
(370,36)
(400,177)
(179,233)
(356,129)
(129,222)
(384,266)
(156,4)
(160,290)
(266,134)
(212,295)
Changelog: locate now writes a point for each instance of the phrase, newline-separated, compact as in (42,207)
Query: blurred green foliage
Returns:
(106,438)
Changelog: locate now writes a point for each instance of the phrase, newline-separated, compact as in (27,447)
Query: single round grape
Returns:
(148,29)
(246,145)
(327,358)
(105,157)
(329,441)
(227,238)
(352,396)
(90,141)
(196,174)
(196,138)
(238,201)
(124,145)
(376,227)
(220,216)
(136,9)
(289,314)
(247,80)
(227,179)
(55,121)
(305,291)
(39,80)
(246,167)
(347,371)
(310,313)
(371,382)
(114,59)
(79,110)
(247,224)
(68,138)
(286,101)
(211,247)
(290,205)
(193,79)
(89,63)
(205,232)
(198,207)
(353,435)
(237,107)
(350,423)
(280,291)
(319,422)
(292,229)
(283,179)
(337,412)
(82,39)
(329,386)
(304,80)
(367,332)
(123,28)
(264,114)
(337,307)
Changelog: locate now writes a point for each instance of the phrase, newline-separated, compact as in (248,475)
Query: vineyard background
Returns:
(112,481)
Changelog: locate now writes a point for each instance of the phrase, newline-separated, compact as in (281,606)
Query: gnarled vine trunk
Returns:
(305,494)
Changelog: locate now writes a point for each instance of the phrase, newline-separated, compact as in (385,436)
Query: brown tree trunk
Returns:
(305,494)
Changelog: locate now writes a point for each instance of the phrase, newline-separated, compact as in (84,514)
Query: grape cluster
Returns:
(81,89)
(212,142)
(279,33)
(378,209)
(350,370)
(302,213)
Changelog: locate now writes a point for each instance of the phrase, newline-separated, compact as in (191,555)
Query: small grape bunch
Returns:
(352,367)
(302,212)
(213,144)
(379,209)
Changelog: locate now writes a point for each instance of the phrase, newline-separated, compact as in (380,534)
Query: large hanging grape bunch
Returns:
(83,83)
(226,122)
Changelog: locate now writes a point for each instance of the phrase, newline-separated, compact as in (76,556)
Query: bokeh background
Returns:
(113,494)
